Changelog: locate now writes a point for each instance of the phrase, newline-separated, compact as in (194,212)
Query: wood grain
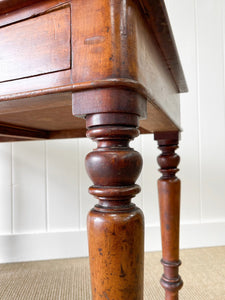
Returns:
(120,51)
(157,17)
(115,225)
(22,54)
(9,5)
(110,58)
(19,132)
(36,9)
(169,203)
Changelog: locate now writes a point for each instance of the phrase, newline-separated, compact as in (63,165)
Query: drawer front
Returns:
(36,46)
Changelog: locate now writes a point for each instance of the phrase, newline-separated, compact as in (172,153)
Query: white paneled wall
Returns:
(28,187)
(62,185)
(43,185)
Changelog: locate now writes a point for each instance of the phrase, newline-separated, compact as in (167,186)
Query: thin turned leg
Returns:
(169,203)
(115,225)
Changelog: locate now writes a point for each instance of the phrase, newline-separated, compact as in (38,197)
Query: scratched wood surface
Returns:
(103,55)
(20,46)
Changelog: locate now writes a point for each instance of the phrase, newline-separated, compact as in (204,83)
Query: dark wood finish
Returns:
(123,48)
(37,9)
(157,17)
(115,225)
(20,46)
(25,133)
(155,14)
(115,63)
(7,6)
(169,202)
(115,100)
(106,55)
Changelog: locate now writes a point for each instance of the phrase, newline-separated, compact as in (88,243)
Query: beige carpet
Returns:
(203,272)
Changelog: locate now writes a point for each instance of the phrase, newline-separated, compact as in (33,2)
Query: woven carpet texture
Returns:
(202,270)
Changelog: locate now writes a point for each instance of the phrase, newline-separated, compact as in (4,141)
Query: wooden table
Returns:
(113,64)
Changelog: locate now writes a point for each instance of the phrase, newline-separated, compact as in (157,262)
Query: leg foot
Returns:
(116,253)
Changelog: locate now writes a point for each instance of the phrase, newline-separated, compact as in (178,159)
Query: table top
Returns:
(55,51)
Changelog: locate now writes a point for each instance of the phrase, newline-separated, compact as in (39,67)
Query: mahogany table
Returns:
(113,64)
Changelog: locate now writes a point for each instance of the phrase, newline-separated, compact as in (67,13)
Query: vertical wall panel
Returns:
(223,41)
(87,201)
(62,185)
(29,213)
(183,21)
(211,97)
(150,177)
(5,209)
(5,163)
(5,188)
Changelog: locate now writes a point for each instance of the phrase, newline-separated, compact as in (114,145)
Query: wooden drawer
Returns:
(36,46)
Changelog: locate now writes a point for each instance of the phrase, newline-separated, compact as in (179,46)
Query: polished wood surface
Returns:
(157,17)
(114,65)
(7,6)
(124,49)
(115,225)
(52,29)
(169,203)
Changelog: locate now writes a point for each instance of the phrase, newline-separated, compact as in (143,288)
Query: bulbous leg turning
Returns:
(115,225)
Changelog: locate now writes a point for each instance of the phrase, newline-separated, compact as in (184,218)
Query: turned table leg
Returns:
(169,203)
(115,225)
